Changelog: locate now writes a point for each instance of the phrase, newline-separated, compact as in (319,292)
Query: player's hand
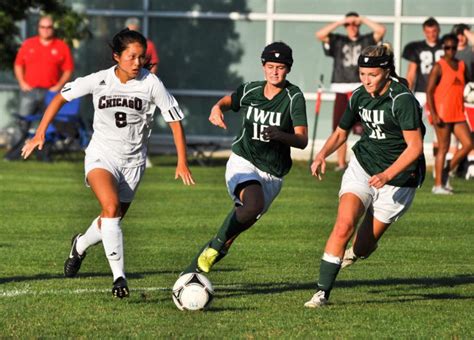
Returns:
(272,132)
(318,167)
(437,120)
(217,117)
(183,171)
(31,145)
(378,180)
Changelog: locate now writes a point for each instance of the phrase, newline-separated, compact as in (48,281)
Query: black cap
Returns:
(278,52)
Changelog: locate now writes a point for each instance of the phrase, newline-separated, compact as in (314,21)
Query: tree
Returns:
(69,25)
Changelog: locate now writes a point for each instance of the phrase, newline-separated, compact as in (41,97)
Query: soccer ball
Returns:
(469,93)
(192,291)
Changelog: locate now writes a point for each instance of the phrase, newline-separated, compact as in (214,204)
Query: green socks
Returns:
(328,270)
(227,233)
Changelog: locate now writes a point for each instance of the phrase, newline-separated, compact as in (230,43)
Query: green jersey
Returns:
(384,118)
(285,111)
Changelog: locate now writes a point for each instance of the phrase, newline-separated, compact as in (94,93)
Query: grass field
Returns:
(419,284)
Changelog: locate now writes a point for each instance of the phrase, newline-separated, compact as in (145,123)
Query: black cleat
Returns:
(73,262)
(120,288)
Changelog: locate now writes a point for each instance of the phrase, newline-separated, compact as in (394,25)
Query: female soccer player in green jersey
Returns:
(274,119)
(388,165)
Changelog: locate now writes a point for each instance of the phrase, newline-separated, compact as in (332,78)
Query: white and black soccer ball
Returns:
(469,93)
(192,291)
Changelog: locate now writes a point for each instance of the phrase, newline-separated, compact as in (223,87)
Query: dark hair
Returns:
(460,28)
(430,22)
(126,37)
(352,14)
(278,52)
(450,36)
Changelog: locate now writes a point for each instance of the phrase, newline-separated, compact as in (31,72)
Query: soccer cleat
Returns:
(318,300)
(74,261)
(349,258)
(207,259)
(120,288)
(439,190)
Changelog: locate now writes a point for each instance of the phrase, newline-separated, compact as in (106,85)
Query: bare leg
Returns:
(443,134)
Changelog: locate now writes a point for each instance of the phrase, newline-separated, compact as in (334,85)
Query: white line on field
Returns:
(27,291)
(20,292)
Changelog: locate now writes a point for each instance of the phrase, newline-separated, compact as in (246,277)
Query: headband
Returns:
(385,61)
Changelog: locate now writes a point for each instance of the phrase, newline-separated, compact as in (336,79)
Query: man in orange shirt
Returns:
(43,63)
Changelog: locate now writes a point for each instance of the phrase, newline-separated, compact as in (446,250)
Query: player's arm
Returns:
(217,112)
(323,33)
(299,139)
(38,140)
(377,29)
(337,138)
(411,74)
(433,80)
(412,152)
(182,169)
(20,76)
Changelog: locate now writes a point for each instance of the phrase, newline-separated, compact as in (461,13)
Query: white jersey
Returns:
(123,113)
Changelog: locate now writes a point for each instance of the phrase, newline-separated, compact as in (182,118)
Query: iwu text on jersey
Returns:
(133,103)
(373,118)
(262,119)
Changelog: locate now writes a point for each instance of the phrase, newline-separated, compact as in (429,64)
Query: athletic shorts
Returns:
(239,170)
(387,204)
(128,178)
(340,104)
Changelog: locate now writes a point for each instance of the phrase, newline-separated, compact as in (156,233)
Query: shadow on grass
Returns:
(410,283)
(130,275)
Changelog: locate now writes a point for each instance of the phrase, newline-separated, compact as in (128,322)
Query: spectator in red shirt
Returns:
(133,24)
(43,63)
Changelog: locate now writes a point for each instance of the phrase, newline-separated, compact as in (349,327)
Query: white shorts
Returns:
(239,170)
(127,178)
(387,204)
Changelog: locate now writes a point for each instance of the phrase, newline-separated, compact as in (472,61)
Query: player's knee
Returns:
(111,209)
(343,229)
(250,212)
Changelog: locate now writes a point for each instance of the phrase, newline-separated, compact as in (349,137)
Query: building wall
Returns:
(208,47)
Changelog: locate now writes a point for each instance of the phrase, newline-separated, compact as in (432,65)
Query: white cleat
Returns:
(349,258)
(318,300)
(441,191)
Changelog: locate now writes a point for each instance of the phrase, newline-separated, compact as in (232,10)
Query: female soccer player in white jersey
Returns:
(388,165)
(125,97)
(274,119)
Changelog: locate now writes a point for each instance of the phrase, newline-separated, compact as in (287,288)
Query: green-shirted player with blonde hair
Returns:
(387,166)
(274,119)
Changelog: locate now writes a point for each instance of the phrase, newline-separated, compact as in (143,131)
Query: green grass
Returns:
(419,284)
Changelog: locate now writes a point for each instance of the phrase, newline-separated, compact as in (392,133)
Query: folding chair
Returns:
(66,134)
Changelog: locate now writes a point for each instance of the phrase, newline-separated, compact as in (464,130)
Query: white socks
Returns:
(112,239)
(90,238)
(331,259)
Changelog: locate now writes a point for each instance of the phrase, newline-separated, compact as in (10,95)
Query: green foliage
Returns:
(69,25)
(419,284)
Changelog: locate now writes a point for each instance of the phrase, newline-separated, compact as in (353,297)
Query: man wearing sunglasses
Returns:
(345,50)
(43,63)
